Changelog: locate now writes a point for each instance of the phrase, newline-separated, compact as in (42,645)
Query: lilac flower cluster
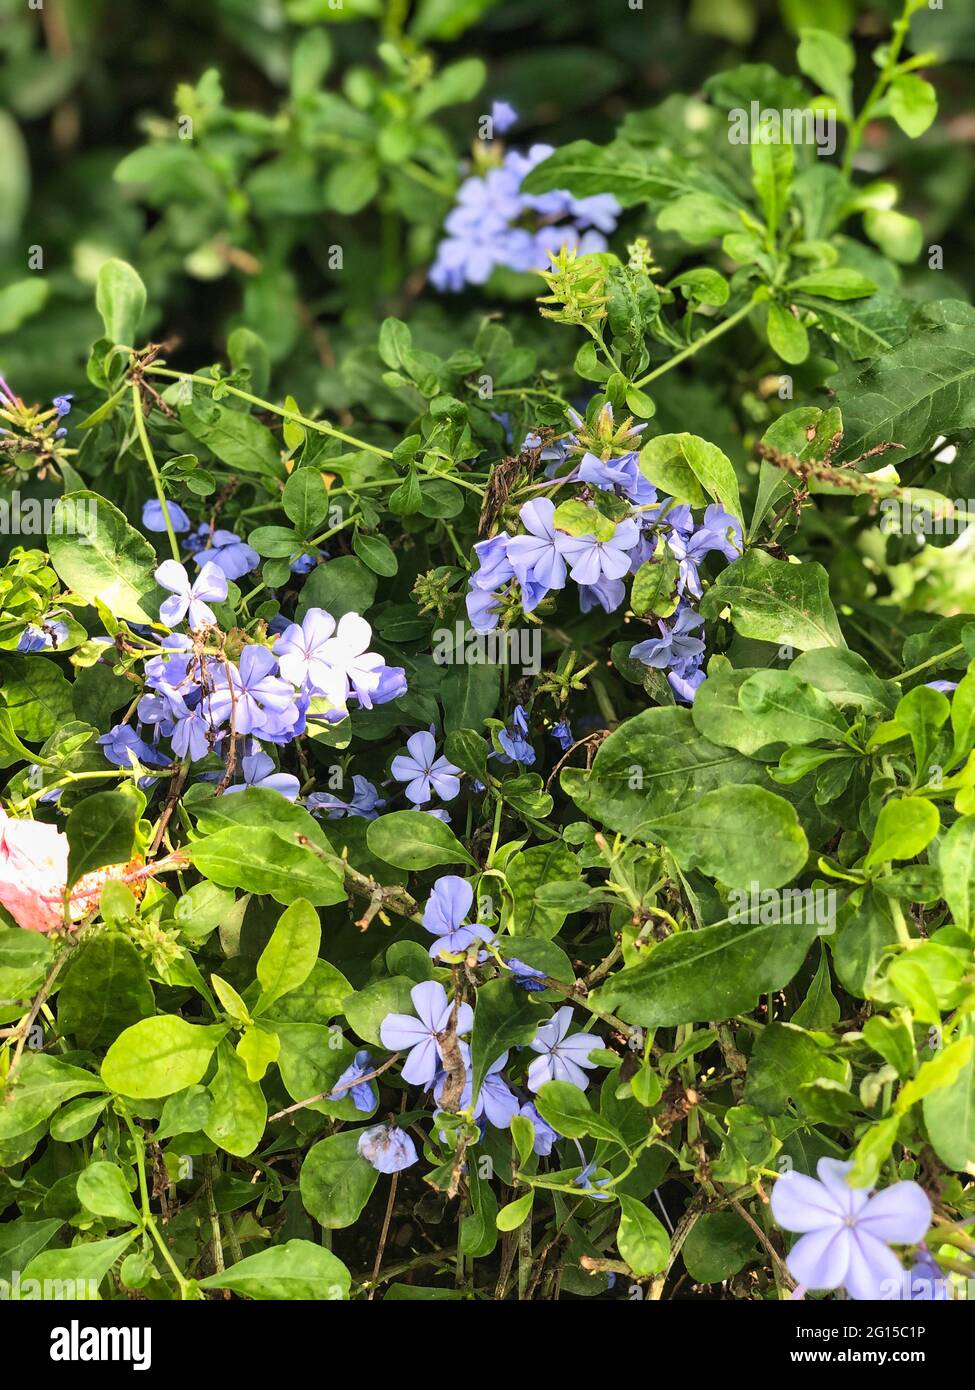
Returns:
(421,1035)
(195,695)
(206,545)
(494,223)
(541,558)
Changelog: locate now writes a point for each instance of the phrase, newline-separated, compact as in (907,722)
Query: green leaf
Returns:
(516,1213)
(643,1241)
(839,282)
(340,586)
(829,61)
(90,1260)
(311,1060)
(787,335)
(42,1084)
(234,437)
(782,708)
(923,387)
(21,1240)
(238,1115)
(470,695)
(102,1188)
(654,590)
(288,958)
(120,298)
(776,602)
(913,103)
(649,765)
(298,1269)
(159,1056)
(336,1182)
(718,1245)
(106,989)
(305,500)
(949,1112)
(905,827)
(11,749)
(36,694)
(100,831)
(568,1111)
(98,554)
(377,553)
(956,861)
(261,861)
(715,972)
(772,167)
(940,1072)
(691,469)
(414,840)
(740,835)
(366,1008)
(503,1018)
(259,807)
(585,169)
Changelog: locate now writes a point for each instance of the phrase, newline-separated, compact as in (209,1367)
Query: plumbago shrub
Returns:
(510,837)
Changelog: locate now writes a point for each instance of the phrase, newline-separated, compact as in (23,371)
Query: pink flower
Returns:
(33,872)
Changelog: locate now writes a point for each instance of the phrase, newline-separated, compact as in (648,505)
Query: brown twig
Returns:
(334,1090)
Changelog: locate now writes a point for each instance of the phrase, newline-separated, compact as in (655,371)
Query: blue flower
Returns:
(387,1148)
(122,739)
(562,732)
(483,609)
(189,600)
(608,594)
(514,740)
(154,520)
(674,645)
(503,116)
(37,639)
(445,917)
(424,772)
(846,1232)
(193,734)
(526,976)
(538,558)
(485,229)
(545,1135)
(62,404)
(230,554)
(592,559)
(419,1035)
(493,565)
(366,801)
(350,1084)
(620,474)
(562,1058)
(258,771)
(253,696)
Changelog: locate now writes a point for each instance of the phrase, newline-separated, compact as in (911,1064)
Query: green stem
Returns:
(140,426)
(148,1220)
(696,346)
(281,410)
(931,661)
(879,87)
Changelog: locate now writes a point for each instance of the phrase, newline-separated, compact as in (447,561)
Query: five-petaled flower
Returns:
(188,600)
(562,1058)
(846,1233)
(425,773)
(401,1031)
